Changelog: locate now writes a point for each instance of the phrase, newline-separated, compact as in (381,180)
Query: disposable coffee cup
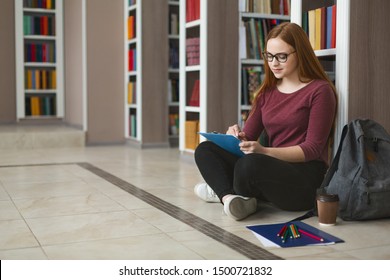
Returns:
(327,205)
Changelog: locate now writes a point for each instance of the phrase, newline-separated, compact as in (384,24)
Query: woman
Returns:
(296,106)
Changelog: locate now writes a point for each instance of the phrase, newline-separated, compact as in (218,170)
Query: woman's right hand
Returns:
(235,130)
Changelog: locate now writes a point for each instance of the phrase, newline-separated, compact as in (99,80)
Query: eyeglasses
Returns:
(280,57)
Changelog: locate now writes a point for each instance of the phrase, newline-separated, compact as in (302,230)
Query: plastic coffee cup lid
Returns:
(328,197)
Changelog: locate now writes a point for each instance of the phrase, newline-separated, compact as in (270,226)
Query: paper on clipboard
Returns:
(225,141)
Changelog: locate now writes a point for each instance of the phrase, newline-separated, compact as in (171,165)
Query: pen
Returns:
(311,235)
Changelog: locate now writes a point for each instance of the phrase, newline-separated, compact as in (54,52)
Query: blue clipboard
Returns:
(225,141)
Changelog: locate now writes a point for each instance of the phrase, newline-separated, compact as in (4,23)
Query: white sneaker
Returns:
(239,207)
(203,191)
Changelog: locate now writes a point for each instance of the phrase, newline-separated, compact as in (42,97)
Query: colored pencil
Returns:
(311,235)
(281,232)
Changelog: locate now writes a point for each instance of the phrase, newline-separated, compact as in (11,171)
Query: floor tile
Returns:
(16,234)
(84,227)
(48,189)
(66,205)
(146,247)
(8,211)
(35,253)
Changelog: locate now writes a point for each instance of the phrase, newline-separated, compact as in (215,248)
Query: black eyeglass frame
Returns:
(270,57)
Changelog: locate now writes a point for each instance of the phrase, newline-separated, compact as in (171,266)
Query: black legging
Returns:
(289,186)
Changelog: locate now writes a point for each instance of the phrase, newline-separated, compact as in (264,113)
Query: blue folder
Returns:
(225,141)
(270,233)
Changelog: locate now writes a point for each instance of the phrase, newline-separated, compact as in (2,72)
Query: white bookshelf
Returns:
(133,109)
(192,72)
(173,93)
(23,91)
(216,71)
(339,55)
(146,117)
(245,61)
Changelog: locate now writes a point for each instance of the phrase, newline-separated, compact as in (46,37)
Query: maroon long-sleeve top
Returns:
(304,117)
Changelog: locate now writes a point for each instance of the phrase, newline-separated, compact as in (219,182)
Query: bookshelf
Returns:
(39,59)
(256,18)
(173,71)
(146,72)
(335,59)
(208,68)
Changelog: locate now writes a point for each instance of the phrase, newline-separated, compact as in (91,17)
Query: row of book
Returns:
(192,50)
(132,59)
(40,79)
(131,31)
(173,90)
(132,93)
(252,77)
(253,33)
(133,124)
(243,117)
(40,105)
(191,134)
(194,98)
(173,124)
(39,4)
(40,52)
(132,2)
(320,25)
(192,10)
(38,25)
(278,7)
(174,24)
(173,55)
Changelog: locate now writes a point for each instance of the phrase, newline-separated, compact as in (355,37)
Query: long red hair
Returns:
(309,67)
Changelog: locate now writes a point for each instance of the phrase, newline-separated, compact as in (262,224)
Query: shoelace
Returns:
(211,193)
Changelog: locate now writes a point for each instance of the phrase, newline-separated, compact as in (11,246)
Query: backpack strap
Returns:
(308,214)
(335,163)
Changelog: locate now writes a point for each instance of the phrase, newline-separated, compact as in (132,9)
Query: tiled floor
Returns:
(72,203)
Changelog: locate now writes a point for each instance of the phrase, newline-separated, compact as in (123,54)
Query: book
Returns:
(173,124)
(192,10)
(268,235)
(225,141)
(194,100)
(312,30)
(329,15)
(130,27)
(35,106)
(323,28)
(191,134)
(333,38)
(318,15)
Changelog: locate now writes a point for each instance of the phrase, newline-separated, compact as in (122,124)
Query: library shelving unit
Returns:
(255,21)
(173,72)
(335,59)
(146,72)
(208,68)
(39,59)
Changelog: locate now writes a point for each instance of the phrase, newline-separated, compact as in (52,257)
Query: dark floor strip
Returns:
(233,241)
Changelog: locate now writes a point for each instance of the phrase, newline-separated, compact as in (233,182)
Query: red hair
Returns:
(309,67)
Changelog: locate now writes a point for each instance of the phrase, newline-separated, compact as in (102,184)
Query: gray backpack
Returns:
(360,172)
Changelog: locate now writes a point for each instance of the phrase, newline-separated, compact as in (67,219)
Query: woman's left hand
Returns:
(249,147)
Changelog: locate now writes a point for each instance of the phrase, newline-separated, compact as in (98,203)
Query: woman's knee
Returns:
(250,163)
(203,147)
